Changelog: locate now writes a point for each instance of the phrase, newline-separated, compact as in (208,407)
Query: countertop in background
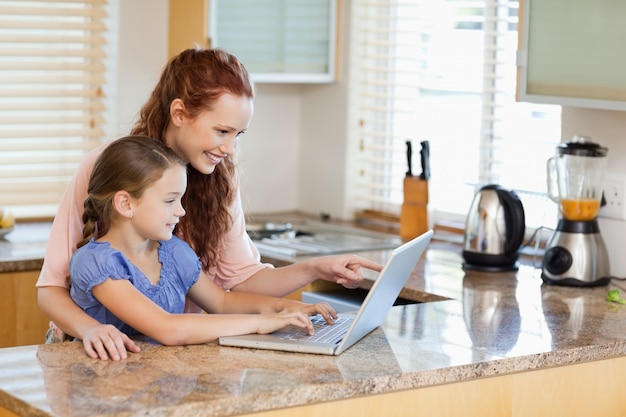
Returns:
(23,249)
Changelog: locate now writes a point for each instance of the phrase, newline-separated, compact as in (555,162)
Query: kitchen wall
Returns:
(140,50)
(296,154)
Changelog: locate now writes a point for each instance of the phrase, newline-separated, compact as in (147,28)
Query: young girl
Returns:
(130,272)
(200,106)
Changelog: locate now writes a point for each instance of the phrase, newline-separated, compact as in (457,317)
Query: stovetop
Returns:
(316,238)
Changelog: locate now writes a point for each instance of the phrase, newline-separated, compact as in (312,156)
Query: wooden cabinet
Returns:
(286,41)
(278,41)
(572,53)
(21,320)
(187,25)
(6,413)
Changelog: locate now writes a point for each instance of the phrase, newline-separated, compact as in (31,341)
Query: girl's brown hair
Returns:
(199,77)
(130,164)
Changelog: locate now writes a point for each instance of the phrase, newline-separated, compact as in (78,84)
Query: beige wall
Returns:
(294,154)
(141,50)
(270,150)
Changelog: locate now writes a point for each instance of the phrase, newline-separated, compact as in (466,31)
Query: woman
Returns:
(200,106)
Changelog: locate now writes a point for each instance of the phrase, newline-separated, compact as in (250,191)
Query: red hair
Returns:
(199,77)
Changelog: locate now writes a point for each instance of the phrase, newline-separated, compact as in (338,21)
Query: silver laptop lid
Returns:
(386,289)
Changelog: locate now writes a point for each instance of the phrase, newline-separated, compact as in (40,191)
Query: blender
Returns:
(576,254)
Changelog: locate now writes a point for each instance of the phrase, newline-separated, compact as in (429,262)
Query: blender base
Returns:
(576,256)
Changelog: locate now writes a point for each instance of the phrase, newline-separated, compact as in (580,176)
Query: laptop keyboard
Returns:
(324,332)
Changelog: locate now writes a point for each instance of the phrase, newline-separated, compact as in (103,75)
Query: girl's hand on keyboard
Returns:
(324,309)
(274,321)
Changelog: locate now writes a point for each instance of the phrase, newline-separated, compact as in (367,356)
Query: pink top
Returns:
(237,263)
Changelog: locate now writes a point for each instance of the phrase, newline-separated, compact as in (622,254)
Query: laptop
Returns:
(349,328)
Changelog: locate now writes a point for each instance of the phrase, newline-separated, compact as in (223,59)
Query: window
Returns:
(52,77)
(444,71)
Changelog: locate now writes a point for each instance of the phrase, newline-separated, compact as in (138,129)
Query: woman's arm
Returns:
(100,341)
(53,285)
(122,299)
(278,282)
(239,267)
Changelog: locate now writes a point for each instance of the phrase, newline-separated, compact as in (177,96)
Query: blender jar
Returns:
(576,178)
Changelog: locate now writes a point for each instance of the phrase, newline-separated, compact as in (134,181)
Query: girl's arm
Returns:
(239,268)
(213,299)
(122,299)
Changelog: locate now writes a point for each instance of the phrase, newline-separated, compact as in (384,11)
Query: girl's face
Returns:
(158,210)
(212,135)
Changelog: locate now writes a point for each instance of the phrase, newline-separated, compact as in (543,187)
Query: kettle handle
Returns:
(514,220)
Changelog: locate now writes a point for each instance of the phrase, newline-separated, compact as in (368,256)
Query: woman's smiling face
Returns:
(203,141)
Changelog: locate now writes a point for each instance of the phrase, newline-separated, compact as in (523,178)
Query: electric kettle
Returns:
(494,230)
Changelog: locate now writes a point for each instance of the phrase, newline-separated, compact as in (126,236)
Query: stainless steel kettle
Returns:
(494,230)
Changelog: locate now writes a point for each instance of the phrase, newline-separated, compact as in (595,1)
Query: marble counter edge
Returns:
(21,265)
(19,407)
(315,393)
(310,393)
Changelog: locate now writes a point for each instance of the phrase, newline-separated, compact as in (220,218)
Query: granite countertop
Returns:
(23,248)
(474,325)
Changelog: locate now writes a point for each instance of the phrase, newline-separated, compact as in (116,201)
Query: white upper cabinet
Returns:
(279,41)
(573,53)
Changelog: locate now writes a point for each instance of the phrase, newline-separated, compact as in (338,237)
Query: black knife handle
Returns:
(409,157)
(425,159)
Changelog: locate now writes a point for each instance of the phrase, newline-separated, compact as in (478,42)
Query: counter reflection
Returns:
(496,317)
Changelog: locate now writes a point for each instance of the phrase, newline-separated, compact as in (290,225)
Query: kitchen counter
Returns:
(23,248)
(481,343)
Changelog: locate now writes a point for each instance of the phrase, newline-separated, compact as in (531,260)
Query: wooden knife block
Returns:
(414,212)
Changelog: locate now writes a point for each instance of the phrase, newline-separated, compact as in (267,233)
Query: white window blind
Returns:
(444,71)
(52,74)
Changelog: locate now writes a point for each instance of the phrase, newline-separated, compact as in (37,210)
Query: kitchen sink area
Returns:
(344,299)
(295,237)
(288,240)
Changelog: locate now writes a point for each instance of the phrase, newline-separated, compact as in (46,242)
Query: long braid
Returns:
(90,220)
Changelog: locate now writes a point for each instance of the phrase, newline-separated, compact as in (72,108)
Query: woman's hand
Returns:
(105,341)
(343,269)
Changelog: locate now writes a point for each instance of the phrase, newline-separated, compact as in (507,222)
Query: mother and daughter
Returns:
(130,196)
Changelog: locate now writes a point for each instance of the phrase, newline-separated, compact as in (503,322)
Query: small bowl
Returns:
(5,231)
